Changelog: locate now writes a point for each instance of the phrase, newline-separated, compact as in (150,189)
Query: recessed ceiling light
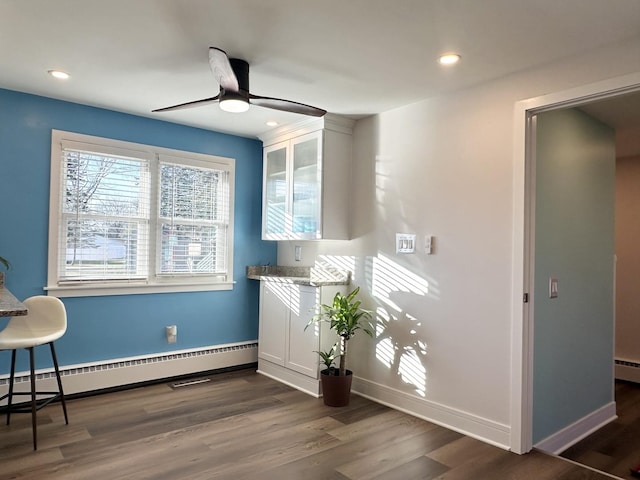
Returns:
(272,123)
(449,59)
(59,74)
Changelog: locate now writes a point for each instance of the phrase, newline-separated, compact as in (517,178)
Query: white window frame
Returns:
(155,282)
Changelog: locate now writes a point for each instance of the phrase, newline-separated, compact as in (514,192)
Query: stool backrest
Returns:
(46,315)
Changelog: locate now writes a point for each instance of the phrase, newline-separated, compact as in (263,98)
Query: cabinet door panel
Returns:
(307,181)
(303,344)
(276,192)
(274,306)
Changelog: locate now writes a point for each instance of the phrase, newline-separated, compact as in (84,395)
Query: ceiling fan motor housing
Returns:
(241,69)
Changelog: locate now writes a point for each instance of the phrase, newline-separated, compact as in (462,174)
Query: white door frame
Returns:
(523,252)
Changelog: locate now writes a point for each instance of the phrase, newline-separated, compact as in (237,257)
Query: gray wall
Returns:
(574,242)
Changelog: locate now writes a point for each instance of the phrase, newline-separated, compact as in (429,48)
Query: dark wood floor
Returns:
(616,447)
(245,426)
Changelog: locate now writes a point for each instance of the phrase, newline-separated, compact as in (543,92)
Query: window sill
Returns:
(97,290)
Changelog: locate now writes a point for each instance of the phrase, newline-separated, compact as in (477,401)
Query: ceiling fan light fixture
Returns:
(234,104)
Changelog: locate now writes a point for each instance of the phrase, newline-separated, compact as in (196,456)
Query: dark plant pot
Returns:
(336,390)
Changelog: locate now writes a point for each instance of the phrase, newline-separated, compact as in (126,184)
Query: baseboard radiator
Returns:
(115,373)
(627,370)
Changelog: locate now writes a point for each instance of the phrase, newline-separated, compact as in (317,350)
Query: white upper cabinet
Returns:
(307,176)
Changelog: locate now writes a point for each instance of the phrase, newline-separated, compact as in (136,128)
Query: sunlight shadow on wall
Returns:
(334,267)
(389,277)
(339,262)
(399,345)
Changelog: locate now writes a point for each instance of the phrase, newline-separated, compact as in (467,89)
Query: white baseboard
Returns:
(131,370)
(572,434)
(488,431)
(289,377)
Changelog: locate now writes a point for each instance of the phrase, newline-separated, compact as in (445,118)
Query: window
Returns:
(130,218)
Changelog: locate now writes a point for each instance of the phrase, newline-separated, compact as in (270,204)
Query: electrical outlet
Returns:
(172,333)
(298,254)
(428,244)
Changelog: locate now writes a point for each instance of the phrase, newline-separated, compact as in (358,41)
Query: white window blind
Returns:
(130,218)
(104,217)
(193,214)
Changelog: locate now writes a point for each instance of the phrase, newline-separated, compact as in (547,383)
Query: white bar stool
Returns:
(45,322)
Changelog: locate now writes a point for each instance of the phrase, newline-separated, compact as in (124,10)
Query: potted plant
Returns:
(345,317)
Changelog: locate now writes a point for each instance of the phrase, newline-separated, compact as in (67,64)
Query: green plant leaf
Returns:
(5,262)
(327,358)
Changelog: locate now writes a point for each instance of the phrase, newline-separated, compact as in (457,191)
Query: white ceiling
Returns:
(620,112)
(352,57)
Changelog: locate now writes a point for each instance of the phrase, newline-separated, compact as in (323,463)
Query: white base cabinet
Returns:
(286,350)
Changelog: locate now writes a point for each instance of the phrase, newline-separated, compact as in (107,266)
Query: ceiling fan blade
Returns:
(286,105)
(195,103)
(222,71)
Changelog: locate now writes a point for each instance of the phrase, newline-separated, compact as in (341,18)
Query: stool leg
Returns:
(55,365)
(33,398)
(11,377)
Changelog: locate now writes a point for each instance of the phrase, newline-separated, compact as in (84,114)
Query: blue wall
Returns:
(574,242)
(101,328)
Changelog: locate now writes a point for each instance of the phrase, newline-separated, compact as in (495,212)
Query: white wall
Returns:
(445,166)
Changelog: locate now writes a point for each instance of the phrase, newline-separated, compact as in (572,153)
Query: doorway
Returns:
(572,235)
(524,247)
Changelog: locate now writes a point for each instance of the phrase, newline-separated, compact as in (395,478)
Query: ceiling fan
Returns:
(232,75)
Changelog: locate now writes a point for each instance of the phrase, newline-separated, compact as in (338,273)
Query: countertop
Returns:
(10,306)
(312,276)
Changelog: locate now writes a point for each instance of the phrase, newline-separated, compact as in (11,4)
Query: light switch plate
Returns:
(553,287)
(405,243)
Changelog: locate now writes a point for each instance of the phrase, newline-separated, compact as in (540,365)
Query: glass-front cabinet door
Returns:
(293,188)
(276,192)
(306,186)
